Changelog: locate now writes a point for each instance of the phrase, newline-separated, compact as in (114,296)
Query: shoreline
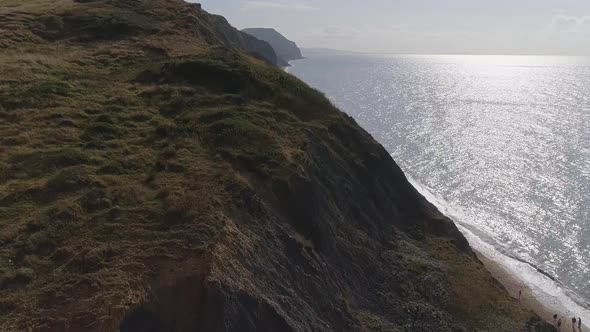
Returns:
(513,284)
(541,293)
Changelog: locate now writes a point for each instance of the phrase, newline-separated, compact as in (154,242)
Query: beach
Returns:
(513,284)
(541,293)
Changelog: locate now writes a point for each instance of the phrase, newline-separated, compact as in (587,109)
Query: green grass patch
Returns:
(49,88)
(39,163)
(245,139)
(217,76)
(101,131)
(186,130)
(68,180)
(118,167)
(236,132)
(43,93)
(96,25)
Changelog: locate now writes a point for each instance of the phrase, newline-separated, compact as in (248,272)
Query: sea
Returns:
(501,144)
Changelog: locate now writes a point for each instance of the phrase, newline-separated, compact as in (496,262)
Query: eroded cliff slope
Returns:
(155,177)
(285,49)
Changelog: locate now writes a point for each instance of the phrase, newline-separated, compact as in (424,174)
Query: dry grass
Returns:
(479,298)
(102,173)
(124,134)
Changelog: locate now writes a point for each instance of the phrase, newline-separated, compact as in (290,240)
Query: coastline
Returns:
(513,285)
(529,300)
(541,293)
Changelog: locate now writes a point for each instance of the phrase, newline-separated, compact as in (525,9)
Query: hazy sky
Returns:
(421,26)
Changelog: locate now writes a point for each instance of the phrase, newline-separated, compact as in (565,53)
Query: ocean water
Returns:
(499,143)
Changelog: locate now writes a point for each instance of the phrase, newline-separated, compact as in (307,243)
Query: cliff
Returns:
(284,48)
(156,177)
(233,38)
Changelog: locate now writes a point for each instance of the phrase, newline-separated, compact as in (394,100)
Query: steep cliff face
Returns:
(234,38)
(285,49)
(155,177)
(261,50)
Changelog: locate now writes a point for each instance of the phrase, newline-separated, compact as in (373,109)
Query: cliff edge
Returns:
(154,176)
(284,48)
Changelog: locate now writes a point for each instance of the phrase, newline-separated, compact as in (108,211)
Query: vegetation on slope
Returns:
(153,177)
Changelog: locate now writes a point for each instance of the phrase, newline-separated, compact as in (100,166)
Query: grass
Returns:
(101,131)
(110,25)
(39,94)
(38,163)
(129,134)
(70,179)
(479,298)
(15,278)
(79,139)
(50,88)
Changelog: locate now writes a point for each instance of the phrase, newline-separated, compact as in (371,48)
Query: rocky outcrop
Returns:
(284,48)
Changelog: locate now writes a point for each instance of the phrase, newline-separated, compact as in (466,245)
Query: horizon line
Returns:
(442,53)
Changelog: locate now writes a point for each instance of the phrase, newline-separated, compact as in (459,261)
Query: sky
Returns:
(543,27)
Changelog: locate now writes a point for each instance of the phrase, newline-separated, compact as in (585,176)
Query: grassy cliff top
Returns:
(153,177)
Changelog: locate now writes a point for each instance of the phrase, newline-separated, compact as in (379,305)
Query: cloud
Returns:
(564,23)
(273,5)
